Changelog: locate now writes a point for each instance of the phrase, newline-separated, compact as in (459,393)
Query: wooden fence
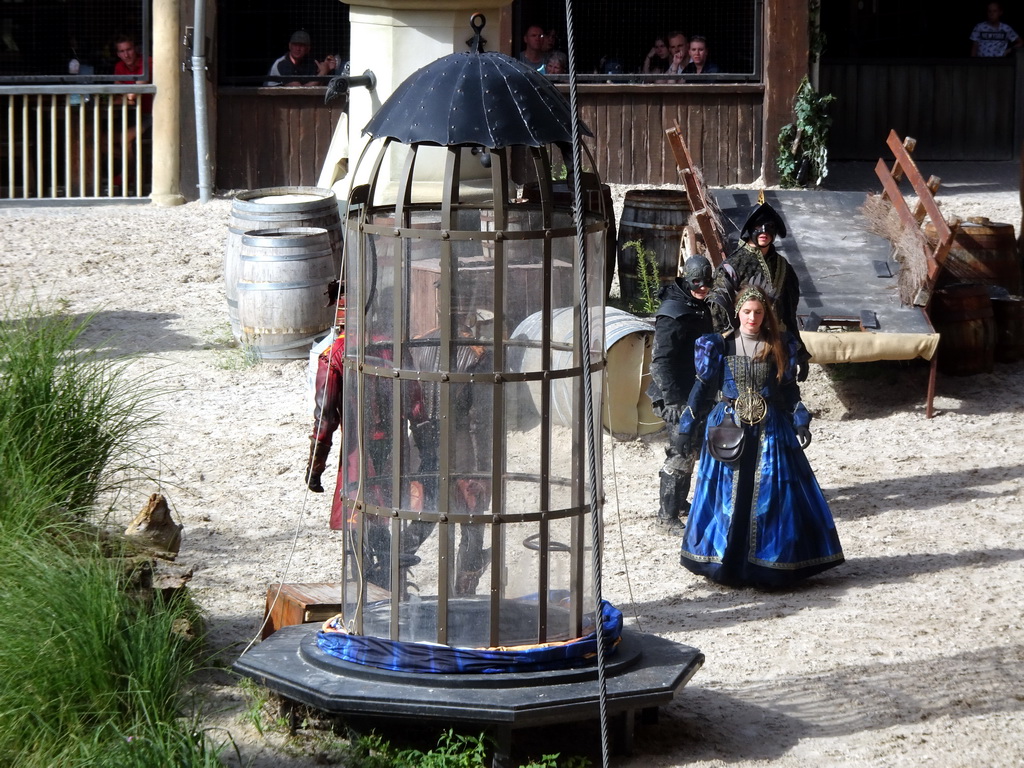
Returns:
(89,143)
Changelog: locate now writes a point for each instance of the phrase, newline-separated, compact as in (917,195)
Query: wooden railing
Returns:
(73,142)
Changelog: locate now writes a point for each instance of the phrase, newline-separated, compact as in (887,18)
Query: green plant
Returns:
(452,751)
(244,356)
(803,144)
(648,280)
(93,667)
(72,421)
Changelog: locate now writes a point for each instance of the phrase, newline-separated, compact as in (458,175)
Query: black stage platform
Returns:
(643,674)
(847,279)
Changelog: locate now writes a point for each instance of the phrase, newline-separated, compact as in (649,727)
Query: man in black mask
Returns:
(683,317)
(758,263)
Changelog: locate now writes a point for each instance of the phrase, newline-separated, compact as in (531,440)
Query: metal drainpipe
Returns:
(199,83)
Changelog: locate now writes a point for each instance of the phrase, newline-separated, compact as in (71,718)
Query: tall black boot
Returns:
(672,500)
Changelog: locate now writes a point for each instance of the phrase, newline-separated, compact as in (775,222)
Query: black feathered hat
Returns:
(763,214)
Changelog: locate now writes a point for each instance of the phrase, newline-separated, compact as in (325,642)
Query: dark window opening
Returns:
(905,28)
(42,37)
(252,35)
(613,38)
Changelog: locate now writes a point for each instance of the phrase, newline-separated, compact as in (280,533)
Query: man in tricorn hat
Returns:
(683,317)
(757,262)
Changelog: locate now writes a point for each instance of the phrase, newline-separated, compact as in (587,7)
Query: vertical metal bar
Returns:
(26,149)
(542,172)
(499,183)
(138,142)
(110,146)
(11,144)
(83,149)
(445,359)
(124,147)
(96,153)
(39,145)
(400,332)
(53,146)
(67,146)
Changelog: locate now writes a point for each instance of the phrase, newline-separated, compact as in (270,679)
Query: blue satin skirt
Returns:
(763,522)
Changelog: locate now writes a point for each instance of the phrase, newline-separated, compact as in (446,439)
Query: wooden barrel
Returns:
(1009,316)
(628,340)
(283,278)
(962,314)
(983,252)
(655,218)
(277,208)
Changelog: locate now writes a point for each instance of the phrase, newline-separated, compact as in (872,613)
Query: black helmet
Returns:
(697,273)
(763,216)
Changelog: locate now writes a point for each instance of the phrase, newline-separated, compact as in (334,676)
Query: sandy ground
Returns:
(909,654)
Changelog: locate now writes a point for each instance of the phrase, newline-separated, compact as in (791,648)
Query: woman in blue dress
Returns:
(761,521)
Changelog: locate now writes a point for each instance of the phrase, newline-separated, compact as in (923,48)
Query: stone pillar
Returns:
(166,161)
(394,38)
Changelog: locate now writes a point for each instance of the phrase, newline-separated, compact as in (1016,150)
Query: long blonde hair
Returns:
(771,335)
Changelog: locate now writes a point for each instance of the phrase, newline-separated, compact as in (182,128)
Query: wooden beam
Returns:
(786,39)
(698,202)
(891,189)
(933,186)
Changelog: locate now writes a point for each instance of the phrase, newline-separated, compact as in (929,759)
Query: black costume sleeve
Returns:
(672,359)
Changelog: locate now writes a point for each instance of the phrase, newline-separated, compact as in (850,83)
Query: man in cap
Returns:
(683,316)
(757,262)
(297,64)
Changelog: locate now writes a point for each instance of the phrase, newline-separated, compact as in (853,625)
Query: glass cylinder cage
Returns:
(465,491)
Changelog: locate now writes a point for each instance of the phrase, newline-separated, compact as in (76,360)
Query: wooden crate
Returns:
(308,603)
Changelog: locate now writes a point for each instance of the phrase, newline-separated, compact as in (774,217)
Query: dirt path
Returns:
(910,654)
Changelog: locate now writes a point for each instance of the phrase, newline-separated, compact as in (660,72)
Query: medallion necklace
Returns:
(750,405)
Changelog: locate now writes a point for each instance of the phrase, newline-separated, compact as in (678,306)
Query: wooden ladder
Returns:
(698,203)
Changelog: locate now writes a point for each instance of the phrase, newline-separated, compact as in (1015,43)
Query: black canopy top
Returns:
(486,99)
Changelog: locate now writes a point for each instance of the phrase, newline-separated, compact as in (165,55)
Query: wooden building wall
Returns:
(957,109)
(720,123)
(276,136)
(268,137)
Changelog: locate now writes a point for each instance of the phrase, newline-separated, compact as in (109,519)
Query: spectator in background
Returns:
(557,64)
(657,60)
(699,64)
(297,65)
(131,63)
(678,48)
(992,38)
(551,41)
(533,48)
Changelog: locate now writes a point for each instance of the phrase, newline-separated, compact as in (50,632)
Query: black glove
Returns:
(313,479)
(316,464)
(803,436)
(689,442)
(803,368)
(672,412)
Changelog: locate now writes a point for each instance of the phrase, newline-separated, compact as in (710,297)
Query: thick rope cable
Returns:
(588,384)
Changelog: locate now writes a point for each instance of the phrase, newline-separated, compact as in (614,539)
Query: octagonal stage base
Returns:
(643,674)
